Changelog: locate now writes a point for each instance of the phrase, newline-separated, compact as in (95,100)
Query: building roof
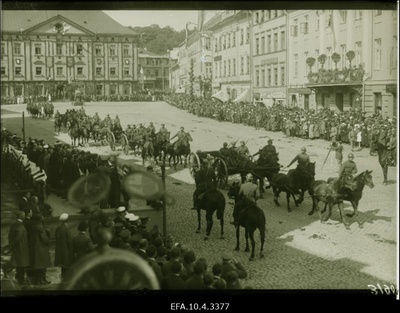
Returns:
(148,54)
(94,21)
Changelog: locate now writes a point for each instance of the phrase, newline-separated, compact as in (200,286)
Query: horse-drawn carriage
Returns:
(115,139)
(227,166)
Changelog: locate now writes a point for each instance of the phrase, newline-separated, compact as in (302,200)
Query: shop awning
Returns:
(243,97)
(221,95)
(303,91)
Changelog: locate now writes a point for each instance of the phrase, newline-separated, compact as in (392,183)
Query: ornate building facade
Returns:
(48,52)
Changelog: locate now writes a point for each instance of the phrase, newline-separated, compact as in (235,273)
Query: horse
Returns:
(147,150)
(267,166)
(294,182)
(253,218)
(385,160)
(74,132)
(160,145)
(212,200)
(179,148)
(332,192)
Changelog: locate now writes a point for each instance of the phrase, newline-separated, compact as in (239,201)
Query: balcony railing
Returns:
(346,75)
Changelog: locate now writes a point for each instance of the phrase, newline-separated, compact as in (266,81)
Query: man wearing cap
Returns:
(242,150)
(349,168)
(249,190)
(121,216)
(64,255)
(382,138)
(82,244)
(267,151)
(224,151)
(205,180)
(230,264)
(164,132)
(233,154)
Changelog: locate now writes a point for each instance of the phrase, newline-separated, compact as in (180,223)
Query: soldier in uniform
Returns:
(181,134)
(164,132)
(242,150)
(151,128)
(248,190)
(224,151)
(267,151)
(205,181)
(348,169)
(302,160)
(338,148)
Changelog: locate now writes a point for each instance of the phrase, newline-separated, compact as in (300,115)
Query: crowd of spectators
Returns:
(351,127)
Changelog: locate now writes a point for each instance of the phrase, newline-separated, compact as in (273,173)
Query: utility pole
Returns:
(23,126)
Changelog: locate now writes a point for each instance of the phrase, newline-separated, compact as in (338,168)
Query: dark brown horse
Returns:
(212,200)
(335,192)
(249,216)
(385,160)
(292,183)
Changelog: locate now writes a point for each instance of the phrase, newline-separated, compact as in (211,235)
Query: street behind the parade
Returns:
(300,251)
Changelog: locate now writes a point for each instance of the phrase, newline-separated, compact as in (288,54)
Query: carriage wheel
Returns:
(194,163)
(111,140)
(125,144)
(111,269)
(221,172)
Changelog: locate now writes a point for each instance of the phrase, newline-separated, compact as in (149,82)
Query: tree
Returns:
(322,59)
(335,58)
(310,62)
(350,55)
(191,78)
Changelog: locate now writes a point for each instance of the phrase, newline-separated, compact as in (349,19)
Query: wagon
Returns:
(114,140)
(224,167)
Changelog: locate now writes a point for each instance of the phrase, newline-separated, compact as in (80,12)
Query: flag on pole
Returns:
(200,20)
(334,24)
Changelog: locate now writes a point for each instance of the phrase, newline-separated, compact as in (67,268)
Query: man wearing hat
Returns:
(302,160)
(224,151)
(164,132)
(64,255)
(242,150)
(133,223)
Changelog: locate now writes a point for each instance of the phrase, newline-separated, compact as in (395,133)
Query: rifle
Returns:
(326,157)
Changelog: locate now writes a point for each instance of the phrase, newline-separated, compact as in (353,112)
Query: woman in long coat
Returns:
(40,249)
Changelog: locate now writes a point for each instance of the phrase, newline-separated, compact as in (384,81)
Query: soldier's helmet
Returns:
(249,177)
(350,156)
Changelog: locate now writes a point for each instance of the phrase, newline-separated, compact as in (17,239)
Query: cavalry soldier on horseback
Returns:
(181,134)
(267,151)
(248,190)
(205,181)
(349,167)
(151,128)
(302,160)
(164,132)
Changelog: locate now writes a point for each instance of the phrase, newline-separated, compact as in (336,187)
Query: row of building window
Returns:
(265,15)
(228,40)
(227,68)
(272,78)
(60,71)
(79,49)
(264,43)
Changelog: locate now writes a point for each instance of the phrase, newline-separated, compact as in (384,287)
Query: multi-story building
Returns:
(269,42)
(342,59)
(154,70)
(45,51)
(231,58)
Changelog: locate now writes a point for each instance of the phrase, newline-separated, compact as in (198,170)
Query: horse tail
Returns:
(220,205)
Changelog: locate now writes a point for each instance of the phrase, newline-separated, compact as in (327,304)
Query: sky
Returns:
(175,19)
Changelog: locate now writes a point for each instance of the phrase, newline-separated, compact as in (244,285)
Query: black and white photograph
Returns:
(186,147)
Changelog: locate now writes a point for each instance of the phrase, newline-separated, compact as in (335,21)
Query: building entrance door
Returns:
(339,101)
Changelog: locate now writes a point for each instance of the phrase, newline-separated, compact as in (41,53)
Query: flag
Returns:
(187,34)
(334,24)
(39,175)
(200,20)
